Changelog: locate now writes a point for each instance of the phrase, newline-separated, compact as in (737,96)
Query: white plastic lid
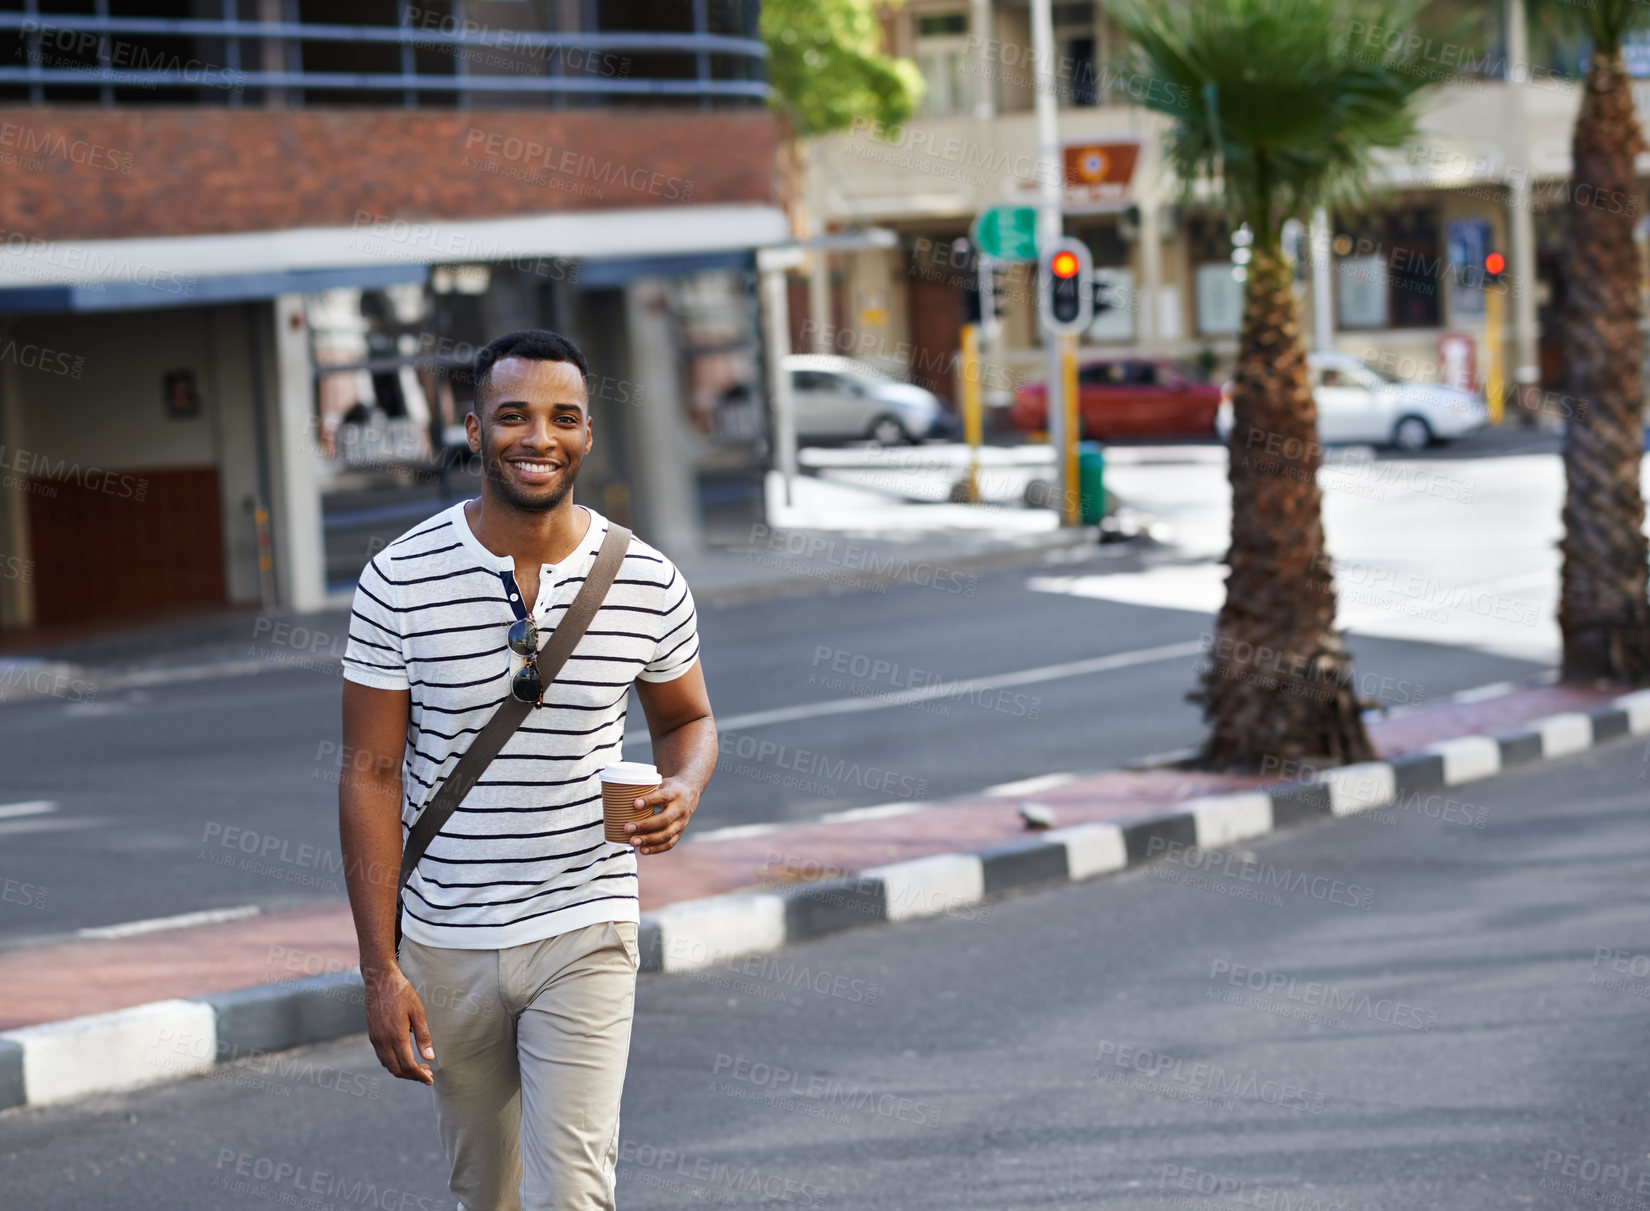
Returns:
(631,773)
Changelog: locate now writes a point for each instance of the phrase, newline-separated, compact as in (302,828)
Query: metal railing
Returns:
(55,44)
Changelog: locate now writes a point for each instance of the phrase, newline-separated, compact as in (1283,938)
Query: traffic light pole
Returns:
(973,428)
(1495,319)
(1071,513)
(1051,172)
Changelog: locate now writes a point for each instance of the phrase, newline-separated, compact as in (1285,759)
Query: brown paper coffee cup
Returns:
(622,785)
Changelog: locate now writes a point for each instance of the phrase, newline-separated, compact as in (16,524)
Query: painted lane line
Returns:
(1029,786)
(209,916)
(882,811)
(34,807)
(954,689)
(18,828)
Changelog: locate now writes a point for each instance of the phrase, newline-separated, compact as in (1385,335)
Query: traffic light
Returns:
(1067,295)
(1495,268)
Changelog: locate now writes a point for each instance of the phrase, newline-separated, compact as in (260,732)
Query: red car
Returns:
(1127,397)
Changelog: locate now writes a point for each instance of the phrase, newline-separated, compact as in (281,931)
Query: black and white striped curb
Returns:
(168,1039)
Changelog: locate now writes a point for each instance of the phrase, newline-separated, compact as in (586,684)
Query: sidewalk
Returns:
(73,979)
(832,538)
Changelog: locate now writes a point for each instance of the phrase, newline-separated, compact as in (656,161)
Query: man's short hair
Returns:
(535,344)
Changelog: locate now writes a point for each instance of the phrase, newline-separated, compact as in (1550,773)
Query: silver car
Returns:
(1358,404)
(840,399)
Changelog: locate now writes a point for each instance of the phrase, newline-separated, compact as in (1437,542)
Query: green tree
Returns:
(1280,105)
(1603,612)
(827,68)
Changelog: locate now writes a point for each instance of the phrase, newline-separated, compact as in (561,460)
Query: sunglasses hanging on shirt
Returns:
(526,685)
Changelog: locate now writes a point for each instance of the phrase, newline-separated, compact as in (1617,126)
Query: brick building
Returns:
(248,247)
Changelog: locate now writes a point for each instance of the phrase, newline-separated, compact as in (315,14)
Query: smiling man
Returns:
(514,990)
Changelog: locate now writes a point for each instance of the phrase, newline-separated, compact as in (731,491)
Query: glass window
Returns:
(942,58)
(935,25)
(1389,269)
(1219,299)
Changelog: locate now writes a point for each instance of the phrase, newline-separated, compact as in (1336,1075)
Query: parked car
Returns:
(1359,404)
(840,399)
(1127,397)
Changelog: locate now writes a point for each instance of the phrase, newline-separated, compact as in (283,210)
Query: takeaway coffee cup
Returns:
(622,785)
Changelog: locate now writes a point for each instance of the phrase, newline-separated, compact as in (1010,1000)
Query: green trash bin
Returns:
(1091,481)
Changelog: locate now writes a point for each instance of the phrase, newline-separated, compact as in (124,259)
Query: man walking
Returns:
(517,974)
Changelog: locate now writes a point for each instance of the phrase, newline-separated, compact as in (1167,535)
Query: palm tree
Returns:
(1603,610)
(1281,106)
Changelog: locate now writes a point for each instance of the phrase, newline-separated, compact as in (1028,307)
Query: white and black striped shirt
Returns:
(523,857)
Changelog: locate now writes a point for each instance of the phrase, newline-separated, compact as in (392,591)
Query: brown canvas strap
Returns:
(490,741)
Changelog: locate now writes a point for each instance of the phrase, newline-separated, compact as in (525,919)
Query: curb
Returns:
(128,1048)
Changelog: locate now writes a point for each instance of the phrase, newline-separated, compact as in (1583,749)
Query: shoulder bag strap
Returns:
(509,716)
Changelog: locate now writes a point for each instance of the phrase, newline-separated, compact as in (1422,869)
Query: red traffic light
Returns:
(1495,263)
(1064,264)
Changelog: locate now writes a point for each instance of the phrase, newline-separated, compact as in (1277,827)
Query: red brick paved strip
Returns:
(1493,716)
(50,983)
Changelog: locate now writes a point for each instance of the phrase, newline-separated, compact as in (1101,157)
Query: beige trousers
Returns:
(530,1044)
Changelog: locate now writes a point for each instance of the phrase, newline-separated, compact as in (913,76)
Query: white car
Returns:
(838,399)
(1359,405)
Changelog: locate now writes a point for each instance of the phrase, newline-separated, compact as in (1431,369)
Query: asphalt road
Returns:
(148,784)
(1402,1013)
(1446,566)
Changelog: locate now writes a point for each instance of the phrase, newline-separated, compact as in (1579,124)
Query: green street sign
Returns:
(1007,233)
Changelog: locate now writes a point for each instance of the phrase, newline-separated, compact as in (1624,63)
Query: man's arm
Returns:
(369,827)
(684,749)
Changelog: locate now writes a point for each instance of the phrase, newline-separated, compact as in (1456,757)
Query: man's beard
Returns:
(493,468)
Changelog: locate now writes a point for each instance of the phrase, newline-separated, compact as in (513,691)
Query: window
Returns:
(1388,269)
(1075,79)
(942,57)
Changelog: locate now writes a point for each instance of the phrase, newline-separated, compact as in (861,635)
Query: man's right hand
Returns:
(394,1013)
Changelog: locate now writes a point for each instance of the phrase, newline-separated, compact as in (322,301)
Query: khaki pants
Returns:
(530,1044)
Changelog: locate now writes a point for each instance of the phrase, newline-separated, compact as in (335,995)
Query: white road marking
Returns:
(13,828)
(34,807)
(131,929)
(1029,786)
(953,689)
(882,811)
(738,832)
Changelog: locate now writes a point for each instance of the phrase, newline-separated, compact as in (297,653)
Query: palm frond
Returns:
(1606,23)
(1283,102)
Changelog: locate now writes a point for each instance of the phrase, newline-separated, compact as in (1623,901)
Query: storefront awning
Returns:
(130,274)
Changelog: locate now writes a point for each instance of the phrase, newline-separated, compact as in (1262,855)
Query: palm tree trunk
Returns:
(1603,611)
(1278,685)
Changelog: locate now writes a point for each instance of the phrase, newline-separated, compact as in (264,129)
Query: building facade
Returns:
(248,247)
(1398,281)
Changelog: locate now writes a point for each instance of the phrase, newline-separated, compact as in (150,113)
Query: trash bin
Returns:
(1091,481)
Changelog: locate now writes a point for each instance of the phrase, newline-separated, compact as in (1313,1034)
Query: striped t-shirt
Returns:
(523,857)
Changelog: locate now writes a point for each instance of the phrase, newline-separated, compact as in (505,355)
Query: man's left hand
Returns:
(659,832)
